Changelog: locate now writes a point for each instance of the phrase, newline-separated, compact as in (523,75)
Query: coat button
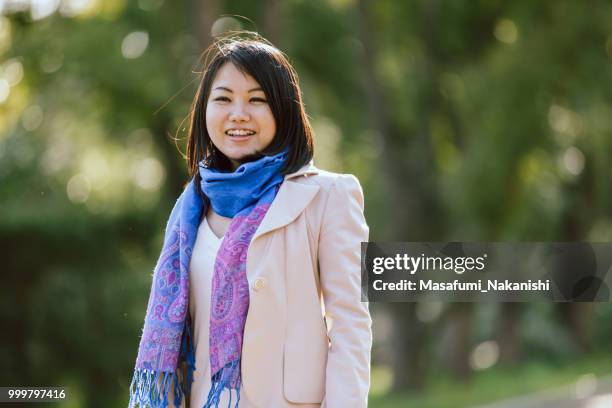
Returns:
(259,284)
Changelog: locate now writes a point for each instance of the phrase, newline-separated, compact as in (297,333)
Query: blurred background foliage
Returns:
(476,120)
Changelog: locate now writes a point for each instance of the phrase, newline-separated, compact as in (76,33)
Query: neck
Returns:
(244,159)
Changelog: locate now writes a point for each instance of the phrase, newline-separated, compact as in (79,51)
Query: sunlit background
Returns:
(479,120)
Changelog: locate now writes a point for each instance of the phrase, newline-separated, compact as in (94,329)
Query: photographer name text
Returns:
(492,285)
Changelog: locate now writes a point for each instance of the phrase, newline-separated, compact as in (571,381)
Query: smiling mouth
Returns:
(239,132)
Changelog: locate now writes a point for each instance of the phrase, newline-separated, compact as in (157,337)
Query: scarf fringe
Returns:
(149,389)
(221,381)
(144,389)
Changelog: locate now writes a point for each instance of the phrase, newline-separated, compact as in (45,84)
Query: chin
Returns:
(235,154)
(238,156)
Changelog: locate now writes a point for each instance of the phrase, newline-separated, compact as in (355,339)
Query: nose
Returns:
(238,114)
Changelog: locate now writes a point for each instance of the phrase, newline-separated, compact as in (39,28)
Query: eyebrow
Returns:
(222,88)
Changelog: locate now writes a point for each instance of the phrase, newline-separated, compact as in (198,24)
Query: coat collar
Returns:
(290,201)
(307,169)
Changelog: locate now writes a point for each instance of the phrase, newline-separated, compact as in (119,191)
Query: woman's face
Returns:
(238,118)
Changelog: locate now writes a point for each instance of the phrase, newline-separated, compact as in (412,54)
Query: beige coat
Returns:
(307,335)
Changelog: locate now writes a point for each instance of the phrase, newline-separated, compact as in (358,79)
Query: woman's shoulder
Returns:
(329,182)
(338,199)
(325,179)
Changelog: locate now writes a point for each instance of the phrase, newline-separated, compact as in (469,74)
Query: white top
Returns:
(200,281)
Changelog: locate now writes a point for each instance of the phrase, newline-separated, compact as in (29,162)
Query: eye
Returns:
(222,99)
(258,100)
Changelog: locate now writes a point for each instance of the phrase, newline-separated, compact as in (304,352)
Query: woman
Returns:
(279,325)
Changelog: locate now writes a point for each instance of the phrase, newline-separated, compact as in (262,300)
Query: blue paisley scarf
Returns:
(166,343)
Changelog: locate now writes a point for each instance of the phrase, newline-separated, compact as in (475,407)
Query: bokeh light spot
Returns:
(5,90)
(134,44)
(32,118)
(484,355)
(78,188)
(12,71)
(223,25)
(148,174)
(505,31)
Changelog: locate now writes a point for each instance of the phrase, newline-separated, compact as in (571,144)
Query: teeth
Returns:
(239,132)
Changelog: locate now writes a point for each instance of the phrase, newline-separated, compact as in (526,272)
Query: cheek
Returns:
(214,125)
(270,123)
(214,117)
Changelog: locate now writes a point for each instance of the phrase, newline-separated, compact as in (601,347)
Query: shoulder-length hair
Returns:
(279,81)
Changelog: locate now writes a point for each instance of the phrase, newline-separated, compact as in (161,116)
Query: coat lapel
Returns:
(292,198)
